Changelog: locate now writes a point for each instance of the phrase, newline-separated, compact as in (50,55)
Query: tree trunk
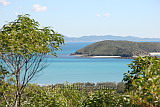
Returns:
(18,99)
(18,91)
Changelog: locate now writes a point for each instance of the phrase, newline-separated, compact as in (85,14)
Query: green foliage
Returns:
(3,73)
(24,36)
(40,96)
(49,96)
(119,48)
(6,87)
(120,87)
(143,81)
(23,48)
(106,98)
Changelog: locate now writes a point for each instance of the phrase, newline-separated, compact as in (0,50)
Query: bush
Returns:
(143,81)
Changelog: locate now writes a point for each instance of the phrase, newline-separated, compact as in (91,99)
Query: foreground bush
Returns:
(143,82)
(49,96)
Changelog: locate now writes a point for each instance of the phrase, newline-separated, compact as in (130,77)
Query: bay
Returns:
(77,69)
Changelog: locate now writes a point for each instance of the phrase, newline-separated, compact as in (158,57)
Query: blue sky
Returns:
(75,18)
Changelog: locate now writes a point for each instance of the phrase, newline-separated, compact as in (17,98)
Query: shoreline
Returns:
(156,54)
(105,56)
(86,56)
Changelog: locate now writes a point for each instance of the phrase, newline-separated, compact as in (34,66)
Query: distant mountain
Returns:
(94,38)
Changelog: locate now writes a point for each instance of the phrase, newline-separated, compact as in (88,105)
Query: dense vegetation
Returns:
(143,82)
(119,48)
(140,88)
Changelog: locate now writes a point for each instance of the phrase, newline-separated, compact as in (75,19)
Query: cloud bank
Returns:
(39,8)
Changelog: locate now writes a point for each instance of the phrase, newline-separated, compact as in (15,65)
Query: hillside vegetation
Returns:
(119,48)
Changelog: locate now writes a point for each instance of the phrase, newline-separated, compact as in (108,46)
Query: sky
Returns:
(75,18)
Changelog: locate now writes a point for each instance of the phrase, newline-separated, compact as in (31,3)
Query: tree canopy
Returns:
(23,48)
(142,82)
(24,36)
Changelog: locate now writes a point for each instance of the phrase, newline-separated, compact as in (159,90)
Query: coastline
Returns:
(157,54)
(154,53)
(86,56)
(105,56)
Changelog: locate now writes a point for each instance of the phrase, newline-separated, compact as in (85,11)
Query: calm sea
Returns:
(72,69)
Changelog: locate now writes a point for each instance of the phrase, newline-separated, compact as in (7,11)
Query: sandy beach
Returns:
(96,56)
(154,53)
(105,56)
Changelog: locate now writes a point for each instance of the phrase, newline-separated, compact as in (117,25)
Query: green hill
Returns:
(119,48)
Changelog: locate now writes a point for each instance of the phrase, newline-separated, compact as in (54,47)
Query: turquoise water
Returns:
(75,69)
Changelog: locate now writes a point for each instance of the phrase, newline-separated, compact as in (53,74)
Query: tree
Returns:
(23,48)
(143,81)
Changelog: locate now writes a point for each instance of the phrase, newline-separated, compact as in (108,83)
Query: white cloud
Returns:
(106,14)
(4,2)
(39,8)
(98,15)
(103,15)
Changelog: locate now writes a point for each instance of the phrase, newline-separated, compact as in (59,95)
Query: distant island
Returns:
(109,48)
(95,38)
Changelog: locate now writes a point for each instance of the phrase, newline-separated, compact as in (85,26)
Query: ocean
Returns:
(65,68)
